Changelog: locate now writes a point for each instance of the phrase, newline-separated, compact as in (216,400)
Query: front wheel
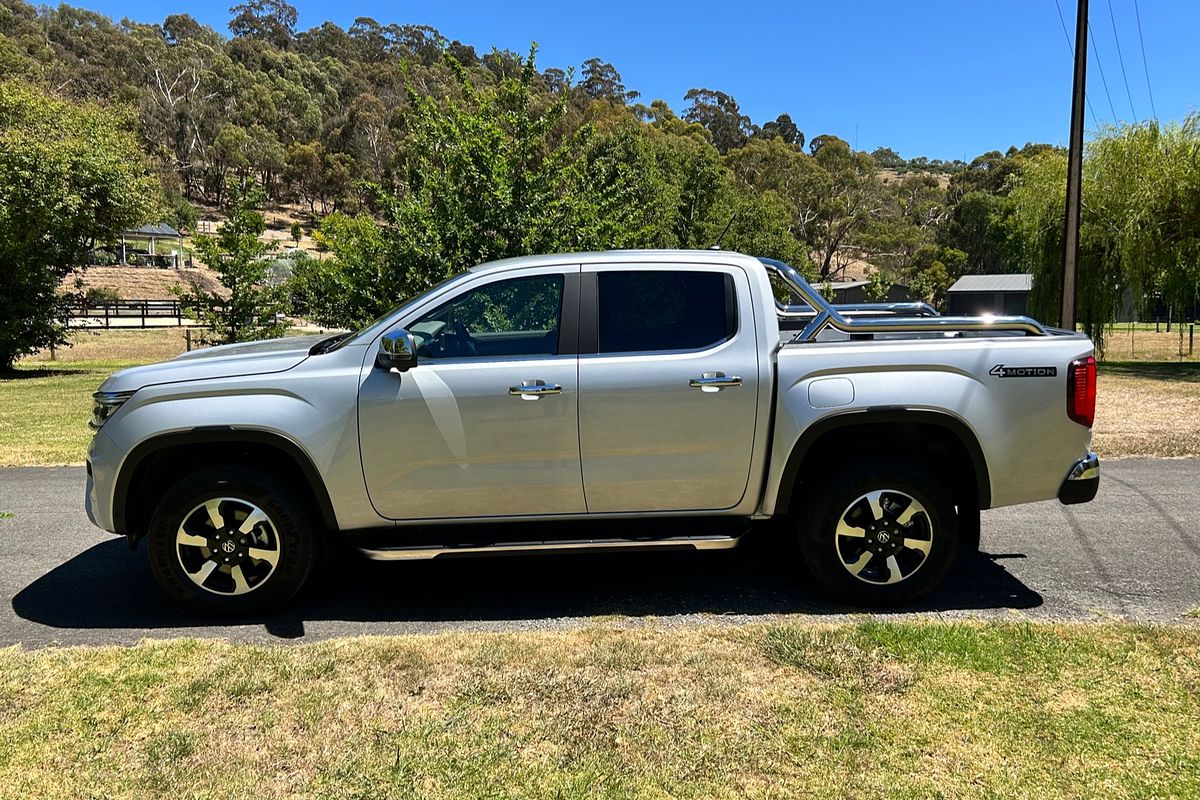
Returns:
(233,541)
(880,533)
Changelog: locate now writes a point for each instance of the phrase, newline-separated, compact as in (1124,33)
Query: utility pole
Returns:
(1070,259)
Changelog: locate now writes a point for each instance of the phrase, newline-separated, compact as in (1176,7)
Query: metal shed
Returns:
(989,294)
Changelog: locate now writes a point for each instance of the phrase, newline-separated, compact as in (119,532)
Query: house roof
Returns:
(1019,282)
(157,229)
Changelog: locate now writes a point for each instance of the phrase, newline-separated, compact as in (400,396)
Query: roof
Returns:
(1019,282)
(157,229)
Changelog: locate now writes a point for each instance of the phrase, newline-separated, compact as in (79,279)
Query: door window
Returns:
(517,317)
(664,310)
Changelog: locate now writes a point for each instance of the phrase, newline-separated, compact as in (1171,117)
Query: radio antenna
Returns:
(717,244)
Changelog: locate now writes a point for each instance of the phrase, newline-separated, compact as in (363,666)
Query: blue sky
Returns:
(943,78)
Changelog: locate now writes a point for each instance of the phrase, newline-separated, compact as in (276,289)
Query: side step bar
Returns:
(425,552)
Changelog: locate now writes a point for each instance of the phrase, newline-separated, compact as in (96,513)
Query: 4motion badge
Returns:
(1001,371)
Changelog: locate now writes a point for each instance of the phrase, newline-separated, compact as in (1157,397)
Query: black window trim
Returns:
(589,306)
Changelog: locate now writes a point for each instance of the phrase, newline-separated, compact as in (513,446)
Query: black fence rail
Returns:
(150,313)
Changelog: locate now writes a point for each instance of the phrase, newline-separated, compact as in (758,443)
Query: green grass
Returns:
(45,406)
(44,412)
(863,710)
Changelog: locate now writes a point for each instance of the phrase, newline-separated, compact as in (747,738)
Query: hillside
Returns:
(143,283)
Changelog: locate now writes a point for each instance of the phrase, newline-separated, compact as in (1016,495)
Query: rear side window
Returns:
(664,310)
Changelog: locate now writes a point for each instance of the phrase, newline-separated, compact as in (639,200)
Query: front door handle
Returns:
(533,390)
(715,382)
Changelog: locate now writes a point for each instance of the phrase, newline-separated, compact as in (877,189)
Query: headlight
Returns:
(105,405)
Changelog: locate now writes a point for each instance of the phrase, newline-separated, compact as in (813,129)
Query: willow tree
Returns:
(1140,230)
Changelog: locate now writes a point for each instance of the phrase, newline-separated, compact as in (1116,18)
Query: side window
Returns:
(664,310)
(518,317)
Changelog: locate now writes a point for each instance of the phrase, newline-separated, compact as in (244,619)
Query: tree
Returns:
(980,225)
(932,274)
(357,284)
(71,175)
(817,142)
(908,216)
(841,204)
(783,128)
(272,21)
(250,308)
(721,117)
(556,80)
(601,81)
(887,158)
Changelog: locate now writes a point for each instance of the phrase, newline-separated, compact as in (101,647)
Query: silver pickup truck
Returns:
(594,402)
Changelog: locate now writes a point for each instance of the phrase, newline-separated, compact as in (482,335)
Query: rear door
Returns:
(668,380)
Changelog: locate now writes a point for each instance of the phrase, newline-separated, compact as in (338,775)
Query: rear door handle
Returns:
(533,390)
(715,381)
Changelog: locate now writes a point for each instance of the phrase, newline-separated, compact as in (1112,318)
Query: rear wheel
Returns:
(880,533)
(231,541)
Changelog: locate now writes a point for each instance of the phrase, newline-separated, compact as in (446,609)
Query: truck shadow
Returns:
(107,587)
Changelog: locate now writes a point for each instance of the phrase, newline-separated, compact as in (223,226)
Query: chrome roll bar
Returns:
(828,316)
(867,309)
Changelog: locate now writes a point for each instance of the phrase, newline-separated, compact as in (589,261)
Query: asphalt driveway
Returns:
(1132,554)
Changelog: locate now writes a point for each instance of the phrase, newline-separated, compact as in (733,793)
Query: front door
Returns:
(486,424)
(669,391)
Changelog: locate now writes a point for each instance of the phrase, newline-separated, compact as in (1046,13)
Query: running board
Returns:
(426,552)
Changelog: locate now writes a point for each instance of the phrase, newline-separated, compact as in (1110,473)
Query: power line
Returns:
(1145,68)
(1071,51)
(1103,80)
(1121,60)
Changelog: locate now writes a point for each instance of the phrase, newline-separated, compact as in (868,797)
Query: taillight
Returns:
(1081,391)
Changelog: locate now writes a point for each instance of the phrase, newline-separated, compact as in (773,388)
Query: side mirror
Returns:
(397,351)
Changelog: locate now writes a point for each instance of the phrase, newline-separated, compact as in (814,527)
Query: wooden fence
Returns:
(122,313)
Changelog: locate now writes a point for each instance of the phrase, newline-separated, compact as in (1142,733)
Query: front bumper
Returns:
(103,458)
(1082,482)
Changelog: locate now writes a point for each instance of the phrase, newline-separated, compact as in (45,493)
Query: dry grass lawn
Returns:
(855,710)
(146,283)
(1148,409)
(135,346)
(1142,342)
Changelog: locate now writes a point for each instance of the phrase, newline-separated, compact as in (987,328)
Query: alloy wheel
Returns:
(227,546)
(884,536)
